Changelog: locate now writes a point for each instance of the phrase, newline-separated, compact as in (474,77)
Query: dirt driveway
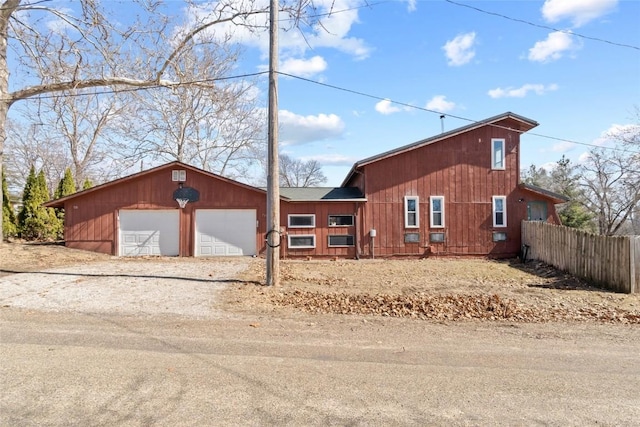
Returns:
(132,287)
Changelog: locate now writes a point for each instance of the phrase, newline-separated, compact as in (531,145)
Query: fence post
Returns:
(634,264)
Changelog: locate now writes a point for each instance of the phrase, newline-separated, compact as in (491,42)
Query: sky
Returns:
(374,75)
(378,76)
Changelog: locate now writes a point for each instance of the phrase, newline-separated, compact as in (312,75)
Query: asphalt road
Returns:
(109,370)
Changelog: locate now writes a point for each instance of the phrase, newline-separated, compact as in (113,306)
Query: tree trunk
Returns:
(7,8)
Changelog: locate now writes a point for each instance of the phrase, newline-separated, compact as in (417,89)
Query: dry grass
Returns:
(534,291)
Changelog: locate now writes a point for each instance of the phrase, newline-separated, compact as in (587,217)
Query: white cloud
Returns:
(578,11)
(304,67)
(385,107)
(522,91)
(552,48)
(411,5)
(459,51)
(620,132)
(331,159)
(296,129)
(440,104)
(563,147)
(549,166)
(584,157)
(332,31)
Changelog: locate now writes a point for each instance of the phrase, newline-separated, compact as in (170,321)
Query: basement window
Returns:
(302,221)
(340,240)
(412,237)
(340,220)
(499,237)
(436,237)
(179,175)
(302,241)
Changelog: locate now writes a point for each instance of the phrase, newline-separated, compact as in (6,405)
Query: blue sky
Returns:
(378,75)
(573,77)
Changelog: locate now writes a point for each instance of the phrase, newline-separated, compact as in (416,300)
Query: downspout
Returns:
(358,230)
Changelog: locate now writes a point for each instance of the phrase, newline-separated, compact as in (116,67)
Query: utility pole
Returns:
(273,188)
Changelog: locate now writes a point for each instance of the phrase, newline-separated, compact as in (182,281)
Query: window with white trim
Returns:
(499,211)
(302,221)
(411,212)
(340,240)
(340,220)
(497,153)
(179,175)
(436,217)
(302,241)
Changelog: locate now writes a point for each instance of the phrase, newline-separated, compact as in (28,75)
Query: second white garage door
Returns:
(225,232)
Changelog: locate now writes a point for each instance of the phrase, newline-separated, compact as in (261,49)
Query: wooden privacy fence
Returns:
(610,262)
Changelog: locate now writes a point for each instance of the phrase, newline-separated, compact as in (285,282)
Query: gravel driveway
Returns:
(140,287)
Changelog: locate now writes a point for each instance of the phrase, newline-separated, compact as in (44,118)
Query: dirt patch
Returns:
(25,257)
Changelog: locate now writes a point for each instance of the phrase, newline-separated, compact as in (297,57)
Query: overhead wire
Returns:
(334,87)
(546,27)
(380,98)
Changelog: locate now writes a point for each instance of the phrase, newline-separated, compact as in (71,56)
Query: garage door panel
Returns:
(149,232)
(225,232)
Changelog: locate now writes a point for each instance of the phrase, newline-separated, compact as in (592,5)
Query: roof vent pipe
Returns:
(442,123)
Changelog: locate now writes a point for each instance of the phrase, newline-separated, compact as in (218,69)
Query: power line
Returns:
(352,91)
(379,98)
(546,27)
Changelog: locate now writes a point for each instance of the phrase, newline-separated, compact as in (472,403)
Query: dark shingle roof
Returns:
(558,198)
(313,194)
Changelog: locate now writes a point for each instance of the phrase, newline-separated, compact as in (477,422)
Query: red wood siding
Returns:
(322,230)
(92,218)
(458,168)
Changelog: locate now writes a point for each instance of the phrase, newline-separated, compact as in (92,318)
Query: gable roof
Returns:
(319,194)
(525,125)
(59,203)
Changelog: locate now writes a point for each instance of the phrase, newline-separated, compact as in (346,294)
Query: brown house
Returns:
(457,193)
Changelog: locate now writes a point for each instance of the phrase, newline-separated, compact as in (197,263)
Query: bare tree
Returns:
(29,145)
(213,125)
(58,49)
(77,128)
(85,44)
(298,173)
(610,181)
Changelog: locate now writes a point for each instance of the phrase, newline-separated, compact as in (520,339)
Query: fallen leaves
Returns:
(446,307)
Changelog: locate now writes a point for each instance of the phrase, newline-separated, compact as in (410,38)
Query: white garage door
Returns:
(225,232)
(149,232)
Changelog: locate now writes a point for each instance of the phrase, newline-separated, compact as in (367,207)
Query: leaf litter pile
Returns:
(437,289)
